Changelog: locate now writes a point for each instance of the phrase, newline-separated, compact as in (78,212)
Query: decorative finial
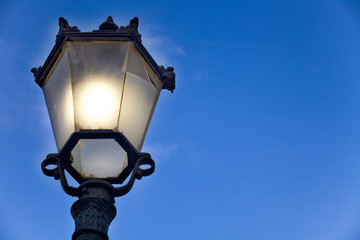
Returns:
(168,78)
(134,24)
(36,71)
(108,25)
(132,27)
(65,27)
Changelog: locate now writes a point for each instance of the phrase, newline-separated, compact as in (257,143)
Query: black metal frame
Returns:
(108,31)
(63,161)
(128,33)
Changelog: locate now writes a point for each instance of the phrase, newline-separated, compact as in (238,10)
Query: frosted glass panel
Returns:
(101,85)
(136,64)
(98,73)
(58,97)
(139,100)
(154,78)
(99,158)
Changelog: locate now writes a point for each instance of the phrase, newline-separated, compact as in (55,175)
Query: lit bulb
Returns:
(99,102)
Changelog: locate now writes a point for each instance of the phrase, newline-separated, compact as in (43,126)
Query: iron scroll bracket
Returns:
(62,161)
(59,173)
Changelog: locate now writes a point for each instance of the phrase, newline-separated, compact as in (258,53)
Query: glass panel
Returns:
(153,77)
(99,158)
(101,85)
(139,100)
(98,73)
(136,64)
(59,101)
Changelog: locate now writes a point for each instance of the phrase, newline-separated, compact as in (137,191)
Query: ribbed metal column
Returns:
(94,210)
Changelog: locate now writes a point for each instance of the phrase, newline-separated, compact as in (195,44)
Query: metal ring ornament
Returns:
(51,159)
(137,173)
(59,173)
(133,154)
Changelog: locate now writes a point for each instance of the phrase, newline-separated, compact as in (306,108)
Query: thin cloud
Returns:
(161,47)
(161,150)
(200,76)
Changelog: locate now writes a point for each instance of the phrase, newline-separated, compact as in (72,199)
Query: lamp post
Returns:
(100,89)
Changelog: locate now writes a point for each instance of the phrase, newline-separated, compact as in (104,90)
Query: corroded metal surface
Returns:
(108,25)
(132,27)
(65,27)
(94,211)
(168,78)
(63,161)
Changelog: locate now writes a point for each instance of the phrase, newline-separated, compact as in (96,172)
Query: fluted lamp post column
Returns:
(100,89)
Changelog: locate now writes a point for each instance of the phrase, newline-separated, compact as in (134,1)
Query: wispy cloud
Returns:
(161,151)
(25,111)
(200,76)
(162,48)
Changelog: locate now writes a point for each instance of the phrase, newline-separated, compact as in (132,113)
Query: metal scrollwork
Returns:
(59,173)
(137,173)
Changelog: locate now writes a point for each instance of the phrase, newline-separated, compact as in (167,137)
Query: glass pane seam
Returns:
(124,67)
(147,73)
(145,66)
(73,102)
(121,101)
(72,91)
(149,120)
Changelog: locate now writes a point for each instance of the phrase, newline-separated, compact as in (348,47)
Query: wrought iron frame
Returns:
(108,31)
(63,161)
(128,33)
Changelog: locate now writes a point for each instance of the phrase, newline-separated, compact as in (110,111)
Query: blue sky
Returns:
(259,141)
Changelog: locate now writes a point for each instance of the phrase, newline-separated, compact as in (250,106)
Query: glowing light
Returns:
(99,102)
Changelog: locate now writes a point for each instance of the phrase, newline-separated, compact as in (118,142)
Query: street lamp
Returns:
(100,89)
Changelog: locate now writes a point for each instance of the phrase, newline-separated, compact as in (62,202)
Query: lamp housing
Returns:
(100,87)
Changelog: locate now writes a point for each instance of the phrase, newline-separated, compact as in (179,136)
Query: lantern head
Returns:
(101,89)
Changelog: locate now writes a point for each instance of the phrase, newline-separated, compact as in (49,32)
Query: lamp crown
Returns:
(108,31)
(65,27)
(108,25)
(132,27)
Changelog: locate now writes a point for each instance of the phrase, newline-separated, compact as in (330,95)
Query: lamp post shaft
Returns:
(94,211)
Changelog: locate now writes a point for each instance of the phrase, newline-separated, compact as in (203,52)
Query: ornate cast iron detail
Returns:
(62,161)
(92,216)
(65,27)
(108,25)
(36,71)
(108,31)
(94,210)
(59,173)
(168,78)
(65,159)
(132,27)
